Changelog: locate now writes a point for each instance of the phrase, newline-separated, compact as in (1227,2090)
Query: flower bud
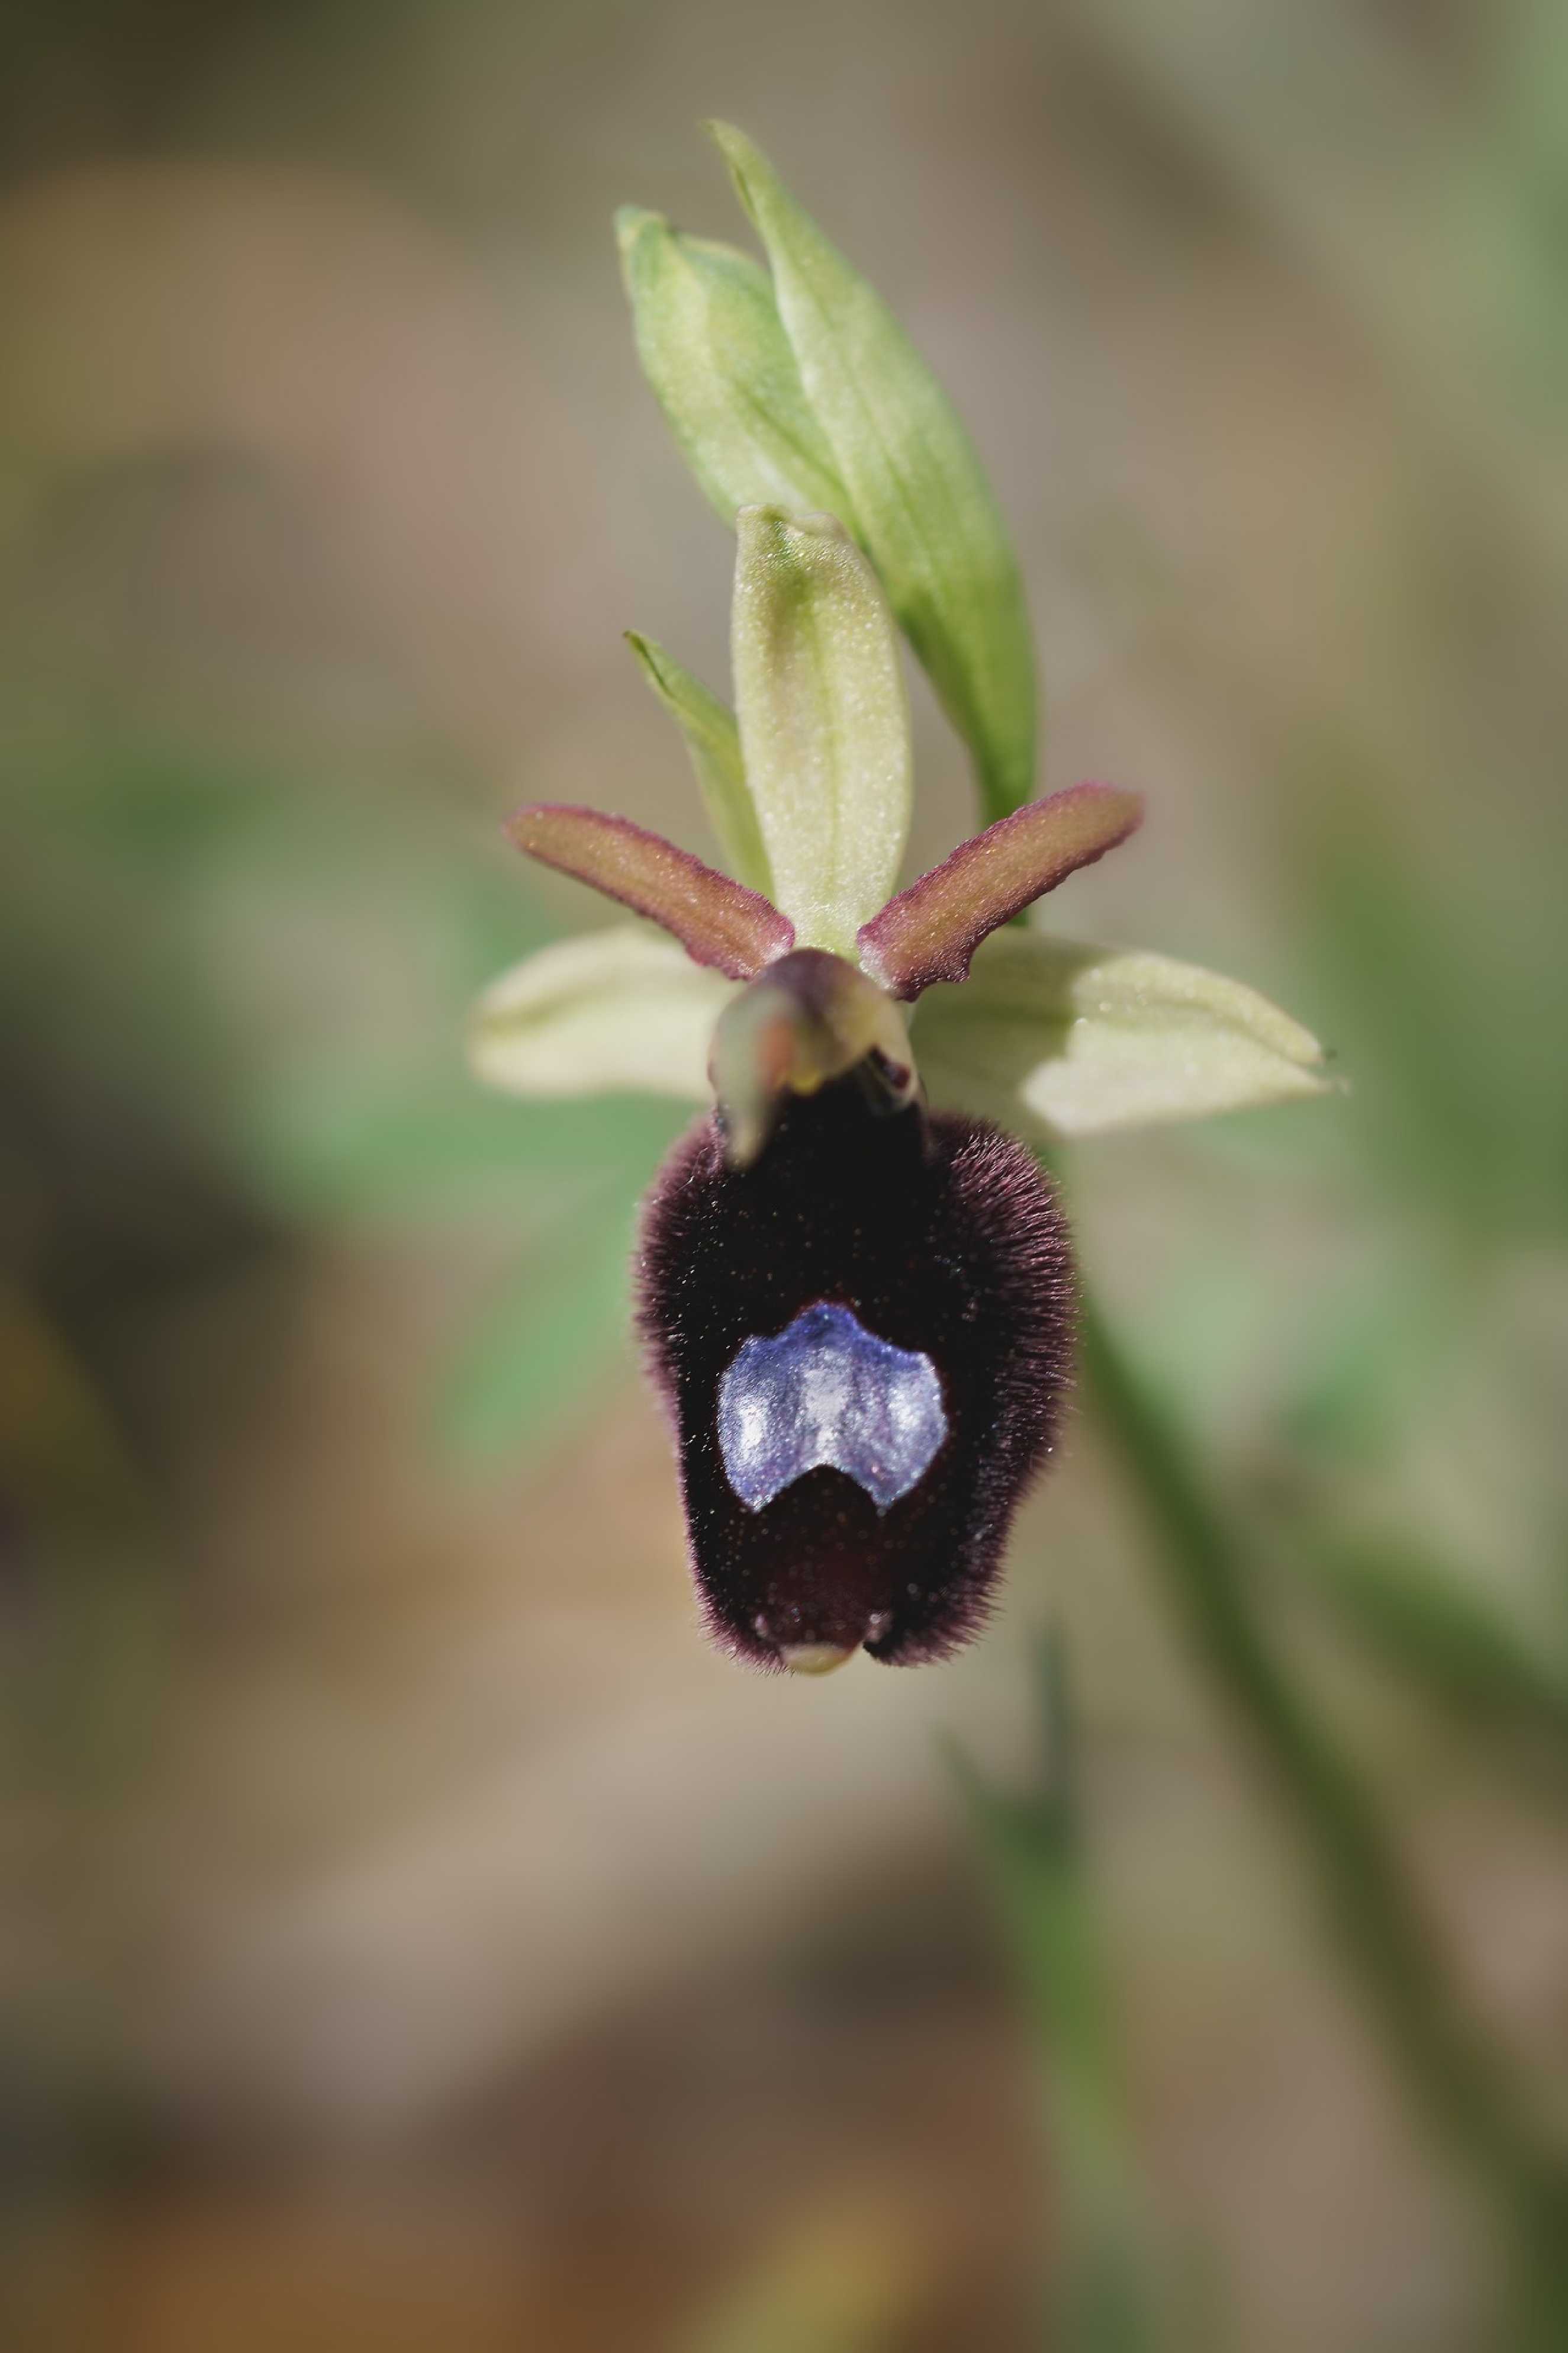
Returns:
(918,501)
(717,357)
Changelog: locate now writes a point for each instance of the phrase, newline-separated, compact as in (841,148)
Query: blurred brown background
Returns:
(414,1936)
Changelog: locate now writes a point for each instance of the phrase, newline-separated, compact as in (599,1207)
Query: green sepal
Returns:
(918,498)
(712,348)
(1060,1040)
(713,741)
(614,1012)
(824,729)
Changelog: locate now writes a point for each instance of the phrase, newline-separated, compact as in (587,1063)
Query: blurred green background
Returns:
(414,1936)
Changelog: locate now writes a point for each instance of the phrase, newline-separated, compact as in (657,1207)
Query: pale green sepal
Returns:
(825,725)
(612,1012)
(712,348)
(1080,1040)
(713,740)
(923,507)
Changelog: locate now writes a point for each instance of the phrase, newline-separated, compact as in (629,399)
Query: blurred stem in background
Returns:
(1102,2293)
(1444,2060)
(1424,1618)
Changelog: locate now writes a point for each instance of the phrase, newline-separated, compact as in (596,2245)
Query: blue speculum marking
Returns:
(826,1391)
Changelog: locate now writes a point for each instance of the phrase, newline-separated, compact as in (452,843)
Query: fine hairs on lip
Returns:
(941,1235)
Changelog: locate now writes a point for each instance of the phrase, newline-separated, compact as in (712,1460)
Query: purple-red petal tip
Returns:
(718,921)
(930,931)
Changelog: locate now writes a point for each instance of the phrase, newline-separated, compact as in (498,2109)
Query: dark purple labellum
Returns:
(864,1339)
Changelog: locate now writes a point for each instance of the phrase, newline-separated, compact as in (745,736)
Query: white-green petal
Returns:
(1080,1040)
(825,726)
(923,507)
(613,1012)
(714,350)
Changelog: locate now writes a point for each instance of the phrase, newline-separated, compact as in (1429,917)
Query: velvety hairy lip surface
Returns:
(939,1235)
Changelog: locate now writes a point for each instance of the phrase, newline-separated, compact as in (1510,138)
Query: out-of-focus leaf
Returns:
(824,727)
(1448,992)
(930,931)
(713,740)
(536,1353)
(612,1011)
(337,1141)
(712,348)
(1377,1341)
(1083,1040)
(718,921)
(921,505)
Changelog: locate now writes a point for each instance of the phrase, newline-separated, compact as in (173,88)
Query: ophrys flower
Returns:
(854,1284)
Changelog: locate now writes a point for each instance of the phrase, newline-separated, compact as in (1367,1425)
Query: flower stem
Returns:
(1446,2065)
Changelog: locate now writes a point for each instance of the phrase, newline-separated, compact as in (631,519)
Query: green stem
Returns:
(1390,1948)
(1102,2293)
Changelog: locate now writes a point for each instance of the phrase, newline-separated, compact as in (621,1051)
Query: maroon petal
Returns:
(717,921)
(930,931)
(938,1247)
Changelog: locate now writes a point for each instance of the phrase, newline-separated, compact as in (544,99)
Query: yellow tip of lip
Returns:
(816,1658)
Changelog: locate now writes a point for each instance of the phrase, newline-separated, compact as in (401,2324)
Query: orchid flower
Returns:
(855,1282)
